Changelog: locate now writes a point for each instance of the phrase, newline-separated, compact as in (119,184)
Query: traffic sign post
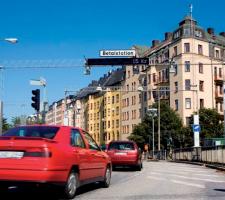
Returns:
(196,130)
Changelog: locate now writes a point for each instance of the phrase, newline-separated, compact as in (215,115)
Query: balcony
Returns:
(218,80)
(219,96)
(162,82)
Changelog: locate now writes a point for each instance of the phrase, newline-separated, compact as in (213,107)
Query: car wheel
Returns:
(71,186)
(139,166)
(107,178)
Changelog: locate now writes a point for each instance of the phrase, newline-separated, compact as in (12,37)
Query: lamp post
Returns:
(152,113)
(13,41)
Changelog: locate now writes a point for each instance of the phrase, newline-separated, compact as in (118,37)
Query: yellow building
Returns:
(94,112)
(112,115)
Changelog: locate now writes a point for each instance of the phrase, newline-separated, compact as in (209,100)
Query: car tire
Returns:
(107,177)
(69,190)
(139,166)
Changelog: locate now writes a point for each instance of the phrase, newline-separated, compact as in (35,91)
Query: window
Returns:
(187,66)
(117,98)
(76,139)
(108,124)
(113,99)
(220,72)
(188,103)
(176,86)
(176,105)
(117,110)
(187,84)
(217,54)
(198,33)
(201,86)
(200,66)
(201,103)
(186,47)
(221,107)
(215,71)
(188,120)
(154,78)
(175,51)
(187,32)
(200,50)
(117,123)
(91,142)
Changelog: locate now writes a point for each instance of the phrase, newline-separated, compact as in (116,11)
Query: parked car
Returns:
(58,155)
(125,153)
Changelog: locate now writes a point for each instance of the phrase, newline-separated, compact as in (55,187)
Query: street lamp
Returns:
(152,113)
(13,41)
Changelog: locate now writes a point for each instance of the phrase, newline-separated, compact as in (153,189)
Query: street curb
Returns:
(200,164)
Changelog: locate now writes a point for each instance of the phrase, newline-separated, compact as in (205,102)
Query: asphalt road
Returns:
(158,180)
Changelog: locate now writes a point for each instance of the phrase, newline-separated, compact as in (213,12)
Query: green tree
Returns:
(16,121)
(211,123)
(170,126)
(5,125)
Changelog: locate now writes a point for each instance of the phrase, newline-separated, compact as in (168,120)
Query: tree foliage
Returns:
(170,126)
(211,123)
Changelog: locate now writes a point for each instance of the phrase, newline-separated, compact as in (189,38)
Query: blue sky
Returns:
(72,29)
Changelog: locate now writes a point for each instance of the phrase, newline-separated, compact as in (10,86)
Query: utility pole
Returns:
(159,133)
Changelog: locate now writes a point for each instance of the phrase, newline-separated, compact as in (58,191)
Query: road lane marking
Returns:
(200,179)
(187,183)
(185,173)
(157,178)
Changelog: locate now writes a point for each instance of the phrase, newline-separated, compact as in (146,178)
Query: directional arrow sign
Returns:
(196,128)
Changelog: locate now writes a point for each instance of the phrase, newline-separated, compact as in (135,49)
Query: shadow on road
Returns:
(220,190)
(40,193)
(124,169)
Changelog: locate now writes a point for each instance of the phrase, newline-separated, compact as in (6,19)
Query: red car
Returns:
(125,153)
(60,155)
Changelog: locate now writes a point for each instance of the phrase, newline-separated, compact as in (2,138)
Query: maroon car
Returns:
(125,153)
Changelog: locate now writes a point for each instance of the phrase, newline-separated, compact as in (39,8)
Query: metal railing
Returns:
(212,155)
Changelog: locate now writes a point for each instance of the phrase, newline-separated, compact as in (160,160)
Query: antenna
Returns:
(191,10)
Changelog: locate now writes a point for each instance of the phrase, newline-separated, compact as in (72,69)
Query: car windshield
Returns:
(121,146)
(33,131)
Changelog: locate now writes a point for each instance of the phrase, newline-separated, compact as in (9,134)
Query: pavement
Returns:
(158,180)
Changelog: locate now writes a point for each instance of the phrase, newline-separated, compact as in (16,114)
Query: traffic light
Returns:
(36,99)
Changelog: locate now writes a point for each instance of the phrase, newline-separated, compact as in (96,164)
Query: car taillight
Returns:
(35,152)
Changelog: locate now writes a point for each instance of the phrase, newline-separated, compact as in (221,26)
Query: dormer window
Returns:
(198,33)
(177,34)
(187,31)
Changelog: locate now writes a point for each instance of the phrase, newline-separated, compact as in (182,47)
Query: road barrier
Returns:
(209,155)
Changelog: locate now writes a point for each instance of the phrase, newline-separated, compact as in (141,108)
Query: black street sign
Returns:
(117,61)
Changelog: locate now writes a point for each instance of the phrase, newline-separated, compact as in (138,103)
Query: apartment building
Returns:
(55,114)
(197,57)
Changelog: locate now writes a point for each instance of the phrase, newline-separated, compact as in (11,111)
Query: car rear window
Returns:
(121,146)
(33,131)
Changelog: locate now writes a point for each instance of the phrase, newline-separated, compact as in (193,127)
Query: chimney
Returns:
(222,34)
(167,35)
(155,43)
(210,31)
